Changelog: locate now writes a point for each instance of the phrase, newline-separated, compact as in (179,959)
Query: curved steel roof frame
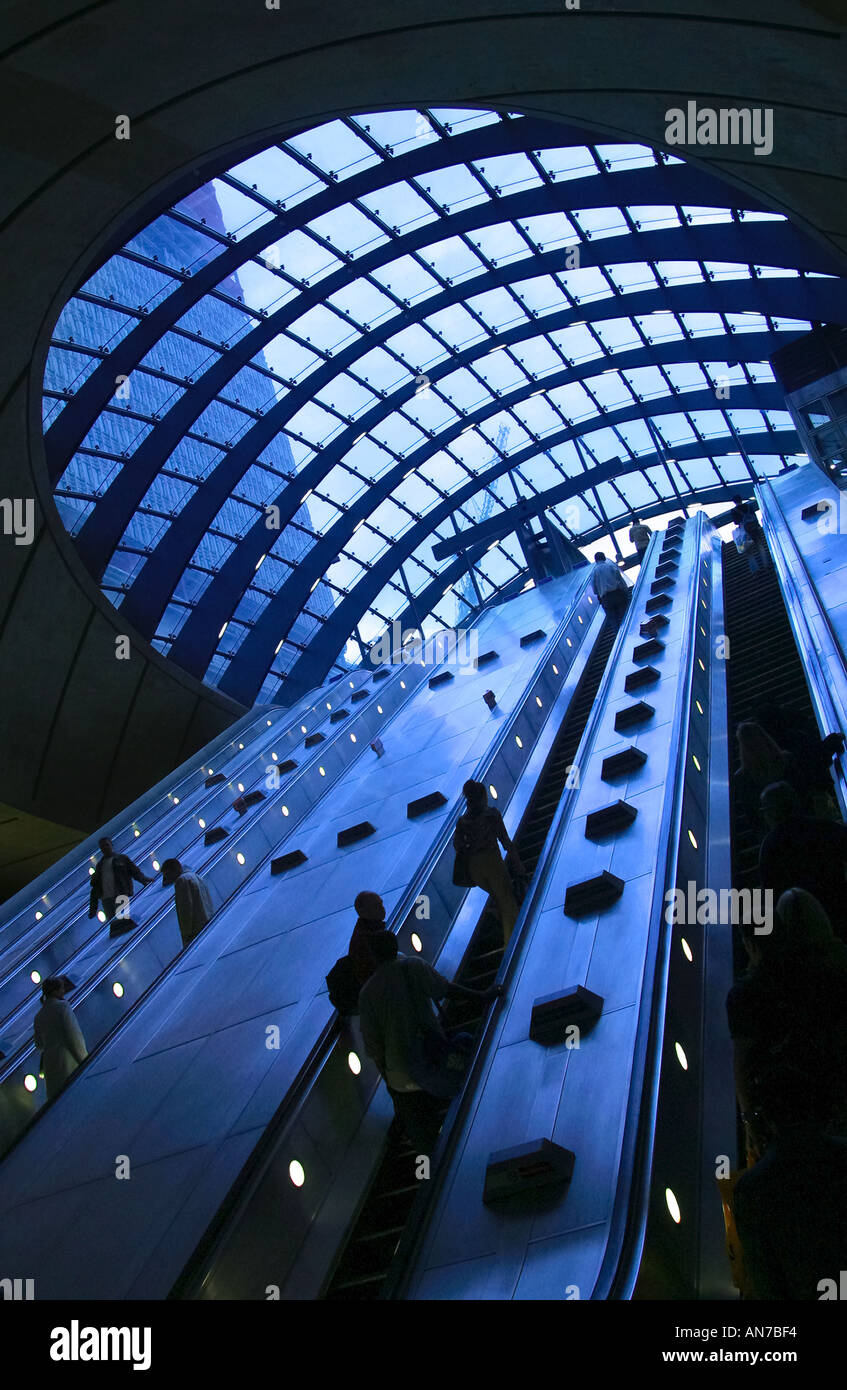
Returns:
(773,274)
(786,298)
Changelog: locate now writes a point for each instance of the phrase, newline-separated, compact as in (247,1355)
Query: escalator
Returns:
(366,1258)
(763,666)
(258,972)
(228,846)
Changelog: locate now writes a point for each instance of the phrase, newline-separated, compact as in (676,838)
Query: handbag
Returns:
(461,870)
(743,541)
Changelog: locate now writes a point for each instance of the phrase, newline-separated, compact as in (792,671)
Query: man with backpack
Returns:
(350,972)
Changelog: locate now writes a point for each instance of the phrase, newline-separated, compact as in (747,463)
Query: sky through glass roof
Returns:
(383,331)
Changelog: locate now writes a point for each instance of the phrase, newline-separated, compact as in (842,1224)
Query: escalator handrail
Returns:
(81,853)
(415,1224)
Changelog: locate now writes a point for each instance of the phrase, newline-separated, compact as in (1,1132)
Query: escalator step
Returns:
(360,1281)
(379,1235)
(398,1191)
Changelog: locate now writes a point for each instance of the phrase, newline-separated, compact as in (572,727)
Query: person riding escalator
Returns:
(421,1065)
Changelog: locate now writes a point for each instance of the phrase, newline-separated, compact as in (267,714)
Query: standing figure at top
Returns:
(640,535)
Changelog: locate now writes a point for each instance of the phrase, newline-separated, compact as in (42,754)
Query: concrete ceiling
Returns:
(28,846)
(205,81)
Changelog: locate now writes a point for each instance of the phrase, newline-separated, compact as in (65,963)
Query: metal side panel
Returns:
(810,556)
(62,890)
(112,976)
(717,1087)
(586,1098)
(693,1120)
(250,762)
(820,537)
(350,1117)
(201,1064)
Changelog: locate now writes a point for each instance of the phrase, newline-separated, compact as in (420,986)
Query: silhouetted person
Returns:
(791,1207)
(370,921)
(57,1035)
(611,588)
(747,511)
(791,1004)
(406,1040)
(747,522)
(803,852)
(112,879)
(639,535)
(478,834)
(193,900)
(800,737)
(762,762)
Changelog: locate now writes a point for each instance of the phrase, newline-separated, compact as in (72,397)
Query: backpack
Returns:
(343,987)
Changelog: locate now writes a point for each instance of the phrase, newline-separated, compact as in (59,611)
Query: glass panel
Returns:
(335,148)
(407,279)
(572,162)
(349,230)
(454,189)
(399,207)
(452,259)
(279,176)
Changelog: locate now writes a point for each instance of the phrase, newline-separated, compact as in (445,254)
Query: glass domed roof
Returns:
(270,413)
